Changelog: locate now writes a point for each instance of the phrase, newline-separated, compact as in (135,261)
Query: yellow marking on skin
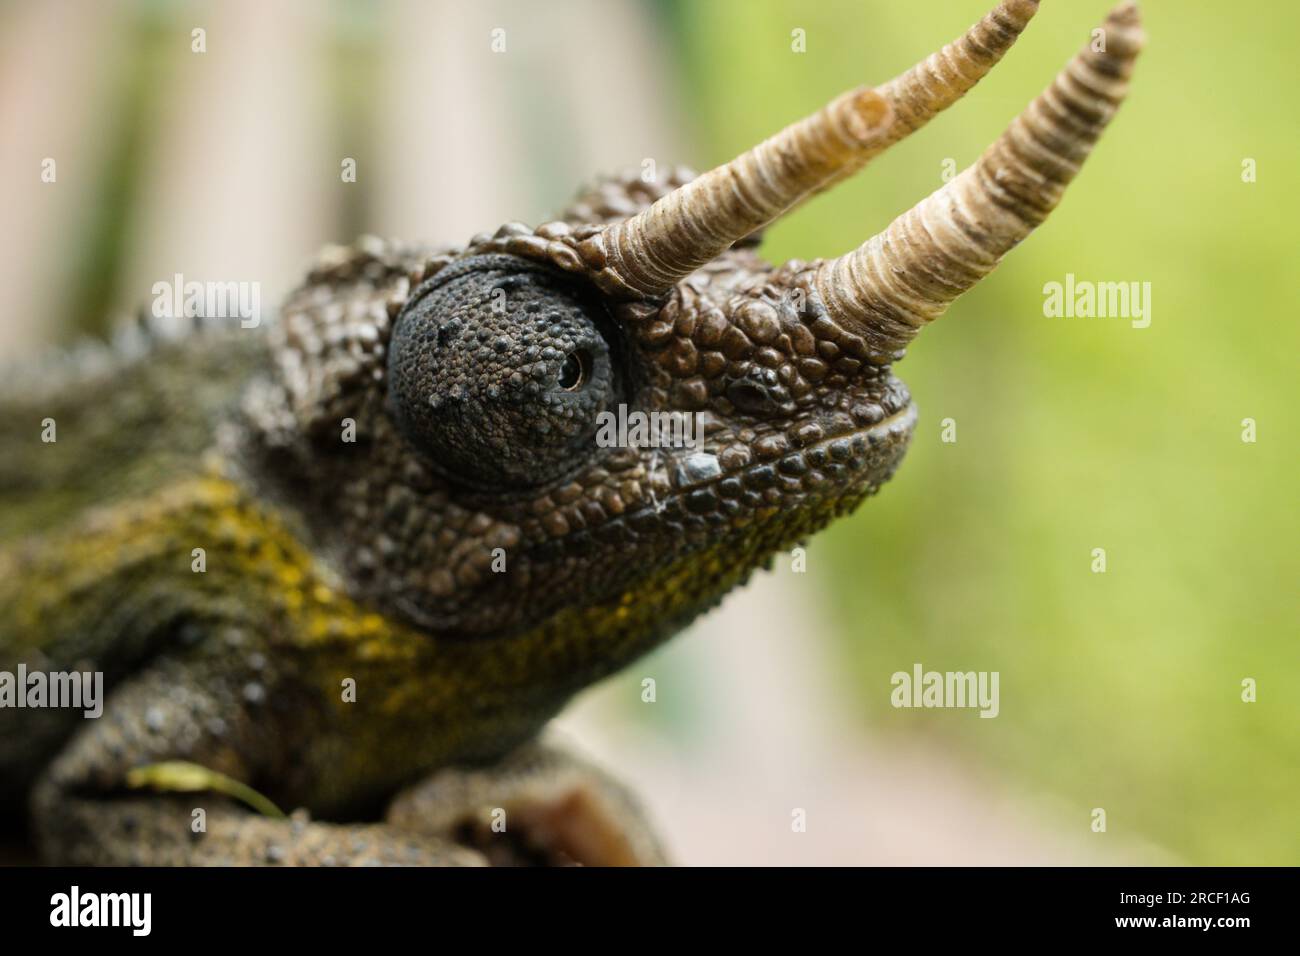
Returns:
(248,550)
(421,692)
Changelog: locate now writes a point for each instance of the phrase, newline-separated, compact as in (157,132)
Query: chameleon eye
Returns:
(497,370)
(573,373)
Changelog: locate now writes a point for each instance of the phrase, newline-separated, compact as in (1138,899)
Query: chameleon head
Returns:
(610,402)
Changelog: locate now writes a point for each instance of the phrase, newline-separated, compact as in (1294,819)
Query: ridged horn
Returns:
(653,250)
(906,276)
(940,80)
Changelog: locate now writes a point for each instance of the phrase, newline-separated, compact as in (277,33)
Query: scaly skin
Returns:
(288,607)
(398,490)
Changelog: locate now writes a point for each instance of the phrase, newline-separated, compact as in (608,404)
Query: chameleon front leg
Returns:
(89,809)
(537,805)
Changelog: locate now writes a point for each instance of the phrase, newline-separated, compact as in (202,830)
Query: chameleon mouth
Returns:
(831,462)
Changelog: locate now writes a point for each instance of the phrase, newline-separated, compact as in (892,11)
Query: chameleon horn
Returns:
(653,250)
(690,226)
(906,276)
(943,78)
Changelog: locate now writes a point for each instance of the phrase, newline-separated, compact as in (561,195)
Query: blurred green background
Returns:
(1119,690)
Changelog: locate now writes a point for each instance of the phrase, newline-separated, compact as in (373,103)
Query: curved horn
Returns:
(653,250)
(906,276)
(943,78)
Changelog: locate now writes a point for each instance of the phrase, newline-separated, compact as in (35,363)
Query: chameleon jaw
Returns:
(831,465)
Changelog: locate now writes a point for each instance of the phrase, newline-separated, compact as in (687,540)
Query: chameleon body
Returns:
(353,562)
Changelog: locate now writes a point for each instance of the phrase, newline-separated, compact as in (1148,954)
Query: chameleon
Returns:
(348,564)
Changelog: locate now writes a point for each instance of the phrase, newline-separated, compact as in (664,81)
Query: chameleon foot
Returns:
(538,806)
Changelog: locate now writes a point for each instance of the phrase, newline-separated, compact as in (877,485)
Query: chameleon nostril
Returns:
(753,395)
